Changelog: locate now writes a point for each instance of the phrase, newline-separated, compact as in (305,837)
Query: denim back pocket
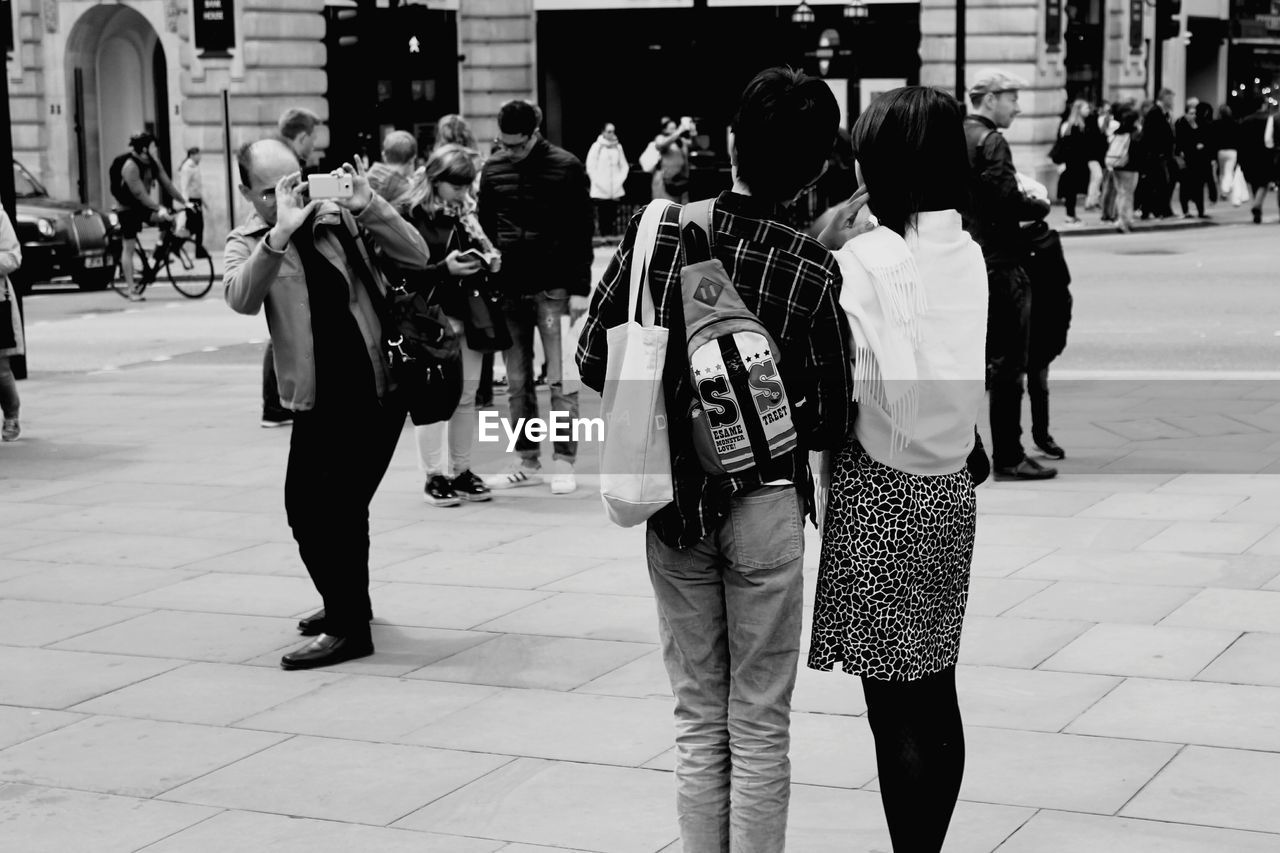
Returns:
(767,527)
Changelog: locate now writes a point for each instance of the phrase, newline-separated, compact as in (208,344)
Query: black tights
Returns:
(919,754)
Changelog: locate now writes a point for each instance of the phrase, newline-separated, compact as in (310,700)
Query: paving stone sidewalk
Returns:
(1120,675)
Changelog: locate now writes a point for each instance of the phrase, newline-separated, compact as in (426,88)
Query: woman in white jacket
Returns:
(898,532)
(607,168)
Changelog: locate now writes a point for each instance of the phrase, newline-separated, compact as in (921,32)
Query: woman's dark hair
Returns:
(1128,119)
(1225,114)
(911,146)
(1204,112)
(783,132)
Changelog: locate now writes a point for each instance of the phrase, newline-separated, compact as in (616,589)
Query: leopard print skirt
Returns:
(893,577)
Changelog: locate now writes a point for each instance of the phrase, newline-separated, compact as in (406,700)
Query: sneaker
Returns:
(469,487)
(439,492)
(516,476)
(562,481)
(276,419)
(11,430)
(135,295)
(1027,469)
(1073,220)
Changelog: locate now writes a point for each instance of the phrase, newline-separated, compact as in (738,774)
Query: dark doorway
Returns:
(1084,40)
(160,80)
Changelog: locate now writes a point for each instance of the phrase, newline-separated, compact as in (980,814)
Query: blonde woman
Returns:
(441,208)
(11,341)
(1076,148)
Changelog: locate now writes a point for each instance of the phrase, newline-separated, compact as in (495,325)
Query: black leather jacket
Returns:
(538,213)
(997,206)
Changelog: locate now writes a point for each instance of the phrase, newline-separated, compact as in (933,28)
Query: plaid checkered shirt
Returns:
(792,284)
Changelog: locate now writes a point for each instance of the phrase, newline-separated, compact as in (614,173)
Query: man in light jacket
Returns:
(607,168)
(289,256)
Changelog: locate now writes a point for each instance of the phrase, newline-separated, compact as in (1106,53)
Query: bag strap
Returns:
(640,299)
(356,260)
(695,231)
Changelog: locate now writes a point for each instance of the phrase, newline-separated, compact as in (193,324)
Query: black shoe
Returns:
(1027,469)
(484,403)
(1050,448)
(316,624)
(326,650)
(439,492)
(469,487)
(276,419)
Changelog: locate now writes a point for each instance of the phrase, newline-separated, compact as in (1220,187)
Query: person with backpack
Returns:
(998,208)
(133,177)
(898,533)
(756,374)
(303,262)
(1123,163)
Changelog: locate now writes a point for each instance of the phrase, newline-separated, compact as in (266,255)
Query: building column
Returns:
(1008,34)
(498,42)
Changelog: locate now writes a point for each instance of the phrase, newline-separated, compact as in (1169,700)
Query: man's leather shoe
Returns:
(1050,448)
(1027,469)
(327,650)
(313,625)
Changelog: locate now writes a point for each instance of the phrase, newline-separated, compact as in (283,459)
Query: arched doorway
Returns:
(118,77)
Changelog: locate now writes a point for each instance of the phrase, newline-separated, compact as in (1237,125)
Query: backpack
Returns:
(119,189)
(741,417)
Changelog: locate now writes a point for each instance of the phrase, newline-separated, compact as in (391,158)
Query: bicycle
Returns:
(170,251)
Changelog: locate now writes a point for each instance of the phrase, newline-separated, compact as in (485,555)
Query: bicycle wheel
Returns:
(193,277)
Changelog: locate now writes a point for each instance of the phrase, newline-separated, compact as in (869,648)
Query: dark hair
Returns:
(784,131)
(519,117)
(1127,117)
(911,145)
(139,141)
(1204,112)
(1225,113)
(193,151)
(296,121)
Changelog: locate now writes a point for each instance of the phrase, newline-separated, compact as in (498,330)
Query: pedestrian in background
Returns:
(291,258)
(535,204)
(671,178)
(392,177)
(1123,158)
(1158,167)
(898,534)
(994,219)
(1099,132)
(12,341)
(453,129)
(725,557)
(1191,144)
(1258,154)
(607,168)
(440,206)
(1072,151)
(1225,134)
(191,185)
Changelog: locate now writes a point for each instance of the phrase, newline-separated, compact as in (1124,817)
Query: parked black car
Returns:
(61,238)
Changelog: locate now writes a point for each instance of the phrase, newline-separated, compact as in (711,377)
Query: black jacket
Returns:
(443,234)
(538,213)
(997,206)
(1157,136)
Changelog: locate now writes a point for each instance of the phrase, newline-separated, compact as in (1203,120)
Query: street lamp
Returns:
(803,15)
(856,9)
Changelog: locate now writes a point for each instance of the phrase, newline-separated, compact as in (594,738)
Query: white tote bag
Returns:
(635,457)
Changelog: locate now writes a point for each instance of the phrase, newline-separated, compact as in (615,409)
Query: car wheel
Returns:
(96,280)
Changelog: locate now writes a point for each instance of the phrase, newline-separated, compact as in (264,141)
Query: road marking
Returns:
(210,349)
(163,358)
(1159,375)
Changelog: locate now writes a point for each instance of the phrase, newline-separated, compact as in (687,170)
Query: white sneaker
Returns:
(562,481)
(516,476)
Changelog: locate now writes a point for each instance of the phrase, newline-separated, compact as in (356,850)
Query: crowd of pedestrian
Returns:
(1128,158)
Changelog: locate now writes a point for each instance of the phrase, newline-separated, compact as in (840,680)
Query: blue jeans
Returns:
(729,611)
(543,312)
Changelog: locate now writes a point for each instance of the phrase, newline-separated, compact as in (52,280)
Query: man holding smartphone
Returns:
(289,257)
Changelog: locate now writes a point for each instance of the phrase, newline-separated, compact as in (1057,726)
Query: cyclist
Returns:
(133,179)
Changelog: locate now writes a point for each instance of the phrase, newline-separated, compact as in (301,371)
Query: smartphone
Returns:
(329,186)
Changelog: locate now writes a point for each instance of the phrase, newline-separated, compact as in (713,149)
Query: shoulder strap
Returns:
(356,259)
(696,231)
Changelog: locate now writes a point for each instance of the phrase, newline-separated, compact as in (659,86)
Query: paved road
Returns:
(1182,300)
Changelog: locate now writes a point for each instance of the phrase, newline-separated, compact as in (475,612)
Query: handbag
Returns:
(8,339)
(650,157)
(635,456)
(978,464)
(483,320)
(421,350)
